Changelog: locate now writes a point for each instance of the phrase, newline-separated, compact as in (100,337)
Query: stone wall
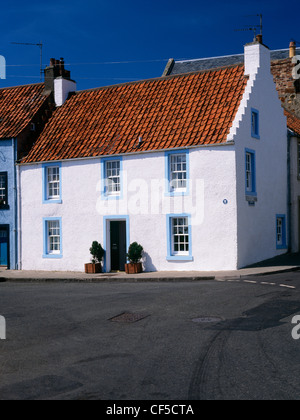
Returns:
(288,86)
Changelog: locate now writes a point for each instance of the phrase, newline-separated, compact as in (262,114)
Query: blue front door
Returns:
(4,245)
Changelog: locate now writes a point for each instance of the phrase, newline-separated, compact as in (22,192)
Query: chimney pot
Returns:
(292,49)
(259,38)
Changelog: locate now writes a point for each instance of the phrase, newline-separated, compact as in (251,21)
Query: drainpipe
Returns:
(19,217)
(15,230)
(289,197)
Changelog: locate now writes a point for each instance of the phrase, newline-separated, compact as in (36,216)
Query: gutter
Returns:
(19,260)
(290,135)
(15,230)
(289,194)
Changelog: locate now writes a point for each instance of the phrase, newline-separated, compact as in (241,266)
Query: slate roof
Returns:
(187,66)
(18,105)
(171,112)
(293,122)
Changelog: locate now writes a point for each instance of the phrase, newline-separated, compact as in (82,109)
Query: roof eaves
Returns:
(222,143)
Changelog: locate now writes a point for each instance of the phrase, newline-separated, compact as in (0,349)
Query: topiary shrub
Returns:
(97,252)
(135,253)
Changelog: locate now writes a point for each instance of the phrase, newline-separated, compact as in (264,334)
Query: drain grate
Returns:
(128,317)
(207,319)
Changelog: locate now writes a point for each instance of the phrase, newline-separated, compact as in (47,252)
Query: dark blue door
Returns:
(4,245)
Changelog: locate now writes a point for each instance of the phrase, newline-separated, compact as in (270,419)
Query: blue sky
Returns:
(106,42)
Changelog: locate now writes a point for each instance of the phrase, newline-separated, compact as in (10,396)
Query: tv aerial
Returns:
(253,28)
(40,45)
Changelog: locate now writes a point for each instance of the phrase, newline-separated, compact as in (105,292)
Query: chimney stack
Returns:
(257,57)
(292,49)
(58,80)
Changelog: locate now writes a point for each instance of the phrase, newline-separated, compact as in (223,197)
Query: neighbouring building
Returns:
(294,180)
(192,166)
(24,111)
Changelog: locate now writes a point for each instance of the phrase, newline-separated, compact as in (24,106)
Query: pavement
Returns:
(281,264)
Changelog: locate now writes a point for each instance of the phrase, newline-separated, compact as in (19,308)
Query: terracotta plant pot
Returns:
(91,268)
(133,268)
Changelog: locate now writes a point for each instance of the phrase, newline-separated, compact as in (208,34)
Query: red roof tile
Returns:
(293,122)
(18,105)
(173,112)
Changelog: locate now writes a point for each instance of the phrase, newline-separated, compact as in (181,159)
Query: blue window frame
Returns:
(255,123)
(112,178)
(281,242)
(179,237)
(52,183)
(250,173)
(52,237)
(3,191)
(177,173)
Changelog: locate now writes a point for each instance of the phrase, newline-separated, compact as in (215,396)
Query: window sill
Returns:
(52,256)
(112,197)
(52,201)
(180,258)
(177,193)
(251,196)
(4,207)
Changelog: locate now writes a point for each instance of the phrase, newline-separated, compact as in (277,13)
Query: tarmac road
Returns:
(62,344)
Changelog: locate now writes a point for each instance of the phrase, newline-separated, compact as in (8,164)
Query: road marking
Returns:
(265,283)
(268,283)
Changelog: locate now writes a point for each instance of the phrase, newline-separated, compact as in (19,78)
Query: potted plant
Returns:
(97,253)
(135,253)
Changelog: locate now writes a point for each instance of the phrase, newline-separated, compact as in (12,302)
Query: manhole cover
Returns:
(128,317)
(207,319)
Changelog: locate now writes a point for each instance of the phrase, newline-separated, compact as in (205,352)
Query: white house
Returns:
(192,166)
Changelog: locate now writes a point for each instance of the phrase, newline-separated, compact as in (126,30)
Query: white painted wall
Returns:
(257,225)
(214,230)
(295,195)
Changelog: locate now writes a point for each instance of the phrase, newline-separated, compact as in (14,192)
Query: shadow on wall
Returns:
(147,263)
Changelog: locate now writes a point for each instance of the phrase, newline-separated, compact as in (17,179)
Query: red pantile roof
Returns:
(173,112)
(18,105)
(293,122)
